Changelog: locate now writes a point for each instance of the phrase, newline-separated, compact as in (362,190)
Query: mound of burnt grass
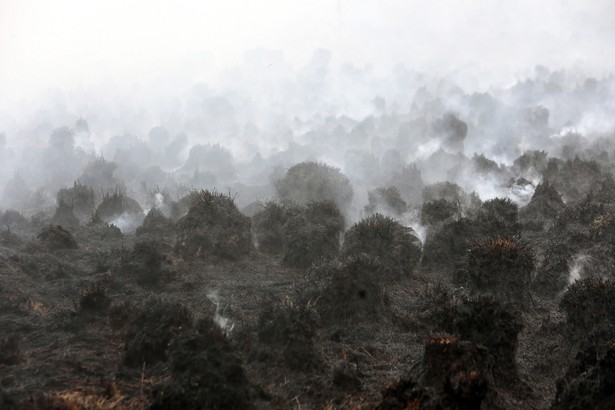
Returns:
(145,263)
(151,331)
(94,299)
(214,227)
(385,199)
(446,246)
(313,181)
(574,179)
(589,305)
(98,174)
(63,215)
(544,207)
(104,231)
(312,234)
(454,374)
(56,237)
(206,373)
(351,290)
(155,224)
(80,198)
(589,382)
(115,204)
(268,226)
(498,218)
(286,332)
(490,323)
(502,267)
(396,248)
(438,211)
(553,274)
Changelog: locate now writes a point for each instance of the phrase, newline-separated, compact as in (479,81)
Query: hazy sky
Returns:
(78,43)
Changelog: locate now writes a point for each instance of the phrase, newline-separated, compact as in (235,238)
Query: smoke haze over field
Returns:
(74,44)
(230,94)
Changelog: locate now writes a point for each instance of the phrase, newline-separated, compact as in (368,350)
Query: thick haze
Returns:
(369,87)
(75,43)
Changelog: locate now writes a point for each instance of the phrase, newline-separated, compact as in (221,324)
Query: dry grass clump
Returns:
(589,303)
(314,181)
(501,266)
(152,329)
(206,373)
(286,332)
(115,204)
(395,247)
(214,227)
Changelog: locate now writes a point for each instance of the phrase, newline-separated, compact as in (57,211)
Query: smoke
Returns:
(577,267)
(223,322)
(216,98)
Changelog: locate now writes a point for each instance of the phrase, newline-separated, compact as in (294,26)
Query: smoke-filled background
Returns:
(228,95)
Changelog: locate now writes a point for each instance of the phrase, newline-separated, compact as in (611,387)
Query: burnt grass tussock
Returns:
(396,281)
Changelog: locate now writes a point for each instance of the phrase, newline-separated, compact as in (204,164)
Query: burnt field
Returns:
(285,304)
(455,252)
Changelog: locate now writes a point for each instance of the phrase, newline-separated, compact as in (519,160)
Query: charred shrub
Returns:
(214,227)
(144,262)
(94,299)
(151,331)
(385,199)
(115,204)
(574,179)
(532,161)
(545,205)
(589,303)
(498,218)
(490,323)
(589,382)
(446,246)
(444,190)
(64,215)
(104,231)
(500,267)
(351,289)
(438,211)
(312,181)
(553,274)
(80,199)
(206,373)
(454,374)
(396,248)
(459,369)
(56,237)
(312,234)
(268,225)
(154,224)
(98,174)
(286,332)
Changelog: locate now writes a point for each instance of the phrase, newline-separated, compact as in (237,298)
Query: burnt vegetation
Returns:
(413,274)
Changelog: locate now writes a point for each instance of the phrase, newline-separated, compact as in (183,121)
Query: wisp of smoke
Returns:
(223,322)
